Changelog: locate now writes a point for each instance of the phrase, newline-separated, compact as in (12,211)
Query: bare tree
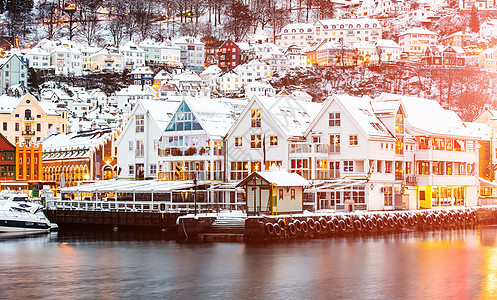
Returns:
(49,13)
(89,23)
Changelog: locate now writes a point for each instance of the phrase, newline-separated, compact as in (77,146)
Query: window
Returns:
(238,141)
(353,140)
(399,124)
(423,142)
(140,148)
(239,170)
(131,170)
(153,169)
(140,123)
(388,167)
(7,156)
(130,145)
(17,127)
(4,125)
(38,127)
(280,194)
(273,141)
(348,166)
(255,141)
(335,143)
(269,164)
(387,196)
(334,119)
(255,117)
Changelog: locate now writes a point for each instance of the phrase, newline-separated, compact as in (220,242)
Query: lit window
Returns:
(348,166)
(273,141)
(255,141)
(353,140)
(238,141)
(255,118)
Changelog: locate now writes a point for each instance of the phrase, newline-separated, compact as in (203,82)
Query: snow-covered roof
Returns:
(297,27)
(136,90)
(481,130)
(8,104)
(74,141)
(426,116)
(188,40)
(215,116)
(258,84)
(417,30)
(362,113)
(336,45)
(187,76)
(363,45)
(386,44)
(212,69)
(160,111)
(131,46)
(162,75)
(346,22)
(292,116)
(36,51)
(280,178)
(143,70)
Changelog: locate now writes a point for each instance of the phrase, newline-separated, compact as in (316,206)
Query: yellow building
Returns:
(26,120)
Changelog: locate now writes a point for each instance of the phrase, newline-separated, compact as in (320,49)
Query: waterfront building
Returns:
(7,159)
(13,71)
(27,120)
(274,192)
(138,143)
(78,157)
(446,164)
(29,163)
(192,147)
(261,135)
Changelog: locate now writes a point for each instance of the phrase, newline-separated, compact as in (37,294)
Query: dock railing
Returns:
(142,206)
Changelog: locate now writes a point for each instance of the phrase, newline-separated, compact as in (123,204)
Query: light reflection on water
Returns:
(456,264)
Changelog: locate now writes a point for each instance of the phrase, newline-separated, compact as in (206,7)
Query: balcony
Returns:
(28,132)
(28,119)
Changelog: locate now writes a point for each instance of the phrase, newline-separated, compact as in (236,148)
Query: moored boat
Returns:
(19,216)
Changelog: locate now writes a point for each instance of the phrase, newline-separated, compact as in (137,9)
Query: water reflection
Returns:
(450,264)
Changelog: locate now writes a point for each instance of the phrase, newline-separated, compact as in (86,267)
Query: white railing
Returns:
(142,206)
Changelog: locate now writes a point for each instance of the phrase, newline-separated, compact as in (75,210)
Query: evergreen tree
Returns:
(474,21)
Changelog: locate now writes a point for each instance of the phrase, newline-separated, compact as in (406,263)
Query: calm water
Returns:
(457,264)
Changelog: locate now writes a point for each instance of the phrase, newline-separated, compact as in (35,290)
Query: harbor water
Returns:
(444,264)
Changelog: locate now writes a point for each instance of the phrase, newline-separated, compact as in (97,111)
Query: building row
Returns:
(390,152)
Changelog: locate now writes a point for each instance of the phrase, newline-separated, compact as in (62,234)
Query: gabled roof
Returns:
(292,116)
(144,70)
(279,178)
(417,30)
(361,112)
(214,116)
(428,117)
(160,111)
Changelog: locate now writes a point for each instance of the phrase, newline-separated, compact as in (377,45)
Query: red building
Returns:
(7,159)
(229,55)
